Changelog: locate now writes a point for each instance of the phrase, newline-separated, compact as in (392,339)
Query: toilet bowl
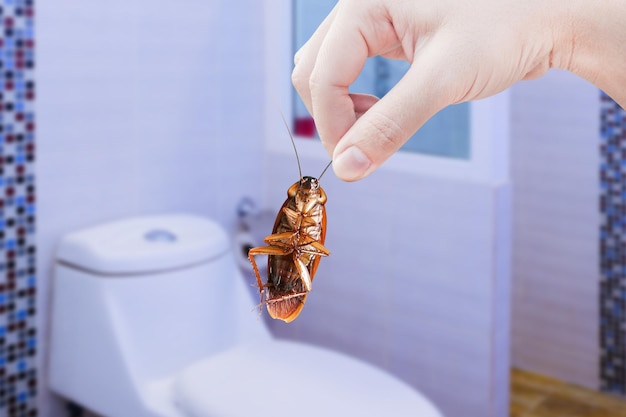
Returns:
(150,317)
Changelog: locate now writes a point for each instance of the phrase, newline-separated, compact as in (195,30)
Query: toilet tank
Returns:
(152,294)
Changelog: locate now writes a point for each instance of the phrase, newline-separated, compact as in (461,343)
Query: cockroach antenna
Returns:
(293,143)
(327,166)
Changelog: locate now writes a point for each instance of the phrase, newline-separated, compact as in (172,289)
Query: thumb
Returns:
(391,121)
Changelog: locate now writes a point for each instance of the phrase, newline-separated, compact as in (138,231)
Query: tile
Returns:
(19,333)
(612,259)
(556,226)
(428,302)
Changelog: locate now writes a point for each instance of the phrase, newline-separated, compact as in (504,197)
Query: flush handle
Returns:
(160,236)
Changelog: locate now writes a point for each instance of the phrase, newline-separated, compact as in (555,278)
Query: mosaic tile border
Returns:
(613,247)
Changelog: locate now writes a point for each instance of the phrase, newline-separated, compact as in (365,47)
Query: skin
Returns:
(459,50)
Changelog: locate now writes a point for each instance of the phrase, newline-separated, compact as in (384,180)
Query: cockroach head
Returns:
(309,183)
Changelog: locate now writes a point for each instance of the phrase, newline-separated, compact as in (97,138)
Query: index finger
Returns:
(340,60)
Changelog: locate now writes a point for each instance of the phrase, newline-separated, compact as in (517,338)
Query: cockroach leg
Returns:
(284,240)
(304,272)
(279,299)
(262,250)
(315,248)
(308,222)
(293,216)
(284,297)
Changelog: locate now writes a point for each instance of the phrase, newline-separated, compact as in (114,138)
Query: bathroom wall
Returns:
(414,283)
(20,336)
(555,176)
(143,107)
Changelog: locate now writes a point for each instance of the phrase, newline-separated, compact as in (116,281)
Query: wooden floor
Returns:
(534,395)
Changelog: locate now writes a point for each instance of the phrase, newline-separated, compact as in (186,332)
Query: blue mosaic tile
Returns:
(613,247)
(18,335)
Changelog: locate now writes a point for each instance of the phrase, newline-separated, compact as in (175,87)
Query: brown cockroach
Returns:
(294,248)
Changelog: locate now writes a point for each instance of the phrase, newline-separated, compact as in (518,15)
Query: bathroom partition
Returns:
(418,281)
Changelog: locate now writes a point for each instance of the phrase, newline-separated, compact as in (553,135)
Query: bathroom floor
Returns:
(534,395)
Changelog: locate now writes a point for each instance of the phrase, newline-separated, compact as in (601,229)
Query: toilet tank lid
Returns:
(144,244)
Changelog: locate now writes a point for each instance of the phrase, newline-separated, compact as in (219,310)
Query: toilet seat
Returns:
(278,378)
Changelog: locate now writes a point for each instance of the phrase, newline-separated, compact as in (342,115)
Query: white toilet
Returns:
(151,318)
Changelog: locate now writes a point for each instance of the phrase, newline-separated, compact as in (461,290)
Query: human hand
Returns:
(458,50)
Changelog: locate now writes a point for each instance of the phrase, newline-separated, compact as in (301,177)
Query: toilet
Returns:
(150,317)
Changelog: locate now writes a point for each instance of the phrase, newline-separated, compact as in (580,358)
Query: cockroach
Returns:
(294,248)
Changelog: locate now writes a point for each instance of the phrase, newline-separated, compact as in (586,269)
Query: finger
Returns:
(340,59)
(304,59)
(424,90)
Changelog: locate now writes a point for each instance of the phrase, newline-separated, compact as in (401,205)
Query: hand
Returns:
(458,50)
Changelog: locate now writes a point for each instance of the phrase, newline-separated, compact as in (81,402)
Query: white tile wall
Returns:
(144,106)
(555,165)
(412,281)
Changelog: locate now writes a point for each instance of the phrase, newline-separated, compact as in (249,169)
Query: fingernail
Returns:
(351,164)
